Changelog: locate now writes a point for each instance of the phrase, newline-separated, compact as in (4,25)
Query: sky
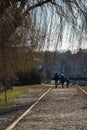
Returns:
(50,21)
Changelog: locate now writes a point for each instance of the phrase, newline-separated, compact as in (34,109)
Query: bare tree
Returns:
(14,11)
(47,20)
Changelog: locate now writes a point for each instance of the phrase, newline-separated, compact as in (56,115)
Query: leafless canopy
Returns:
(40,23)
(47,16)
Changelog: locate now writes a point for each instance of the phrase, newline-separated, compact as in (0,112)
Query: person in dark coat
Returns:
(62,80)
(56,78)
(67,82)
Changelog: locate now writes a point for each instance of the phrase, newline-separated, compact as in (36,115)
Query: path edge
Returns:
(10,127)
(82,91)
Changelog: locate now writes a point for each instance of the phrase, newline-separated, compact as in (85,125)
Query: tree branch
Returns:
(36,5)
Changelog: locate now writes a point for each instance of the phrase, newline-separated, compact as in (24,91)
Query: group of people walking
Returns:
(62,79)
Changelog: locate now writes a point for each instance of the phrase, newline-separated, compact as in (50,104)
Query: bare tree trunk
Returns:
(5,95)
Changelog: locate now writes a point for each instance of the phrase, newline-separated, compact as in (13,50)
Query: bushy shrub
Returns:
(29,78)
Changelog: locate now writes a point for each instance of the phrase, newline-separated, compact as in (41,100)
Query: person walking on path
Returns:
(56,78)
(67,82)
(62,80)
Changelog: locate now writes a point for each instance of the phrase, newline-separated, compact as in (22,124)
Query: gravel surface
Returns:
(61,109)
(10,113)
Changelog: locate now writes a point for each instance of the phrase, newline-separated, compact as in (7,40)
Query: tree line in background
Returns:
(66,62)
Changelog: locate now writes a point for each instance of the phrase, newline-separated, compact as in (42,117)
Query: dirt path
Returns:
(61,109)
(10,113)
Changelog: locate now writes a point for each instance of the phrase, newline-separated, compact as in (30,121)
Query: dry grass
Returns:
(84,88)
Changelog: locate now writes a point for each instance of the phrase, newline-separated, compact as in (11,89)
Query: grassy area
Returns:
(12,95)
(17,91)
(84,88)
